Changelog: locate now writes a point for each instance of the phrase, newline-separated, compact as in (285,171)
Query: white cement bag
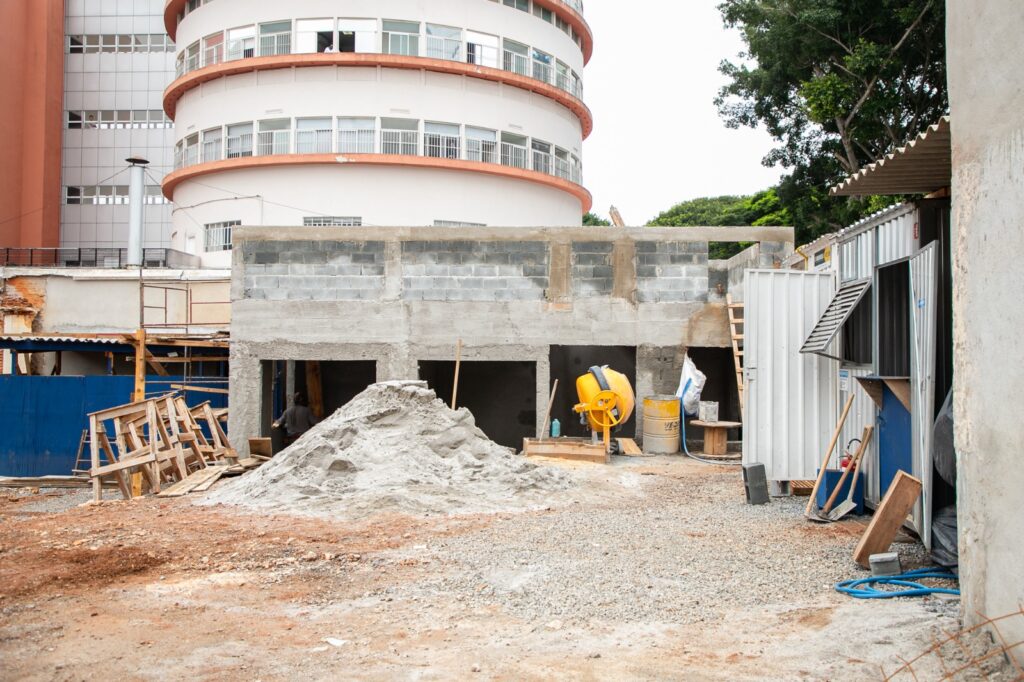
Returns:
(691,401)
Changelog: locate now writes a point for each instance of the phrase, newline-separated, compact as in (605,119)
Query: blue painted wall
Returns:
(894,440)
(42,418)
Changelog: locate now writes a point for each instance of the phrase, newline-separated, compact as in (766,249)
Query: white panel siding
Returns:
(790,396)
(862,413)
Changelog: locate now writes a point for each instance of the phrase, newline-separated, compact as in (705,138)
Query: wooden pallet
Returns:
(736,335)
(574,449)
(801,488)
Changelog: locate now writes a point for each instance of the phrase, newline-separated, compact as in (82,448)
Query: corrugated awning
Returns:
(39,343)
(923,166)
(835,315)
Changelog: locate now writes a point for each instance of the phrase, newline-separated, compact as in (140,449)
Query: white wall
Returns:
(986,87)
(345,91)
(381,196)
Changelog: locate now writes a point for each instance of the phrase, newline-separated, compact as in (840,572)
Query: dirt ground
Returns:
(165,590)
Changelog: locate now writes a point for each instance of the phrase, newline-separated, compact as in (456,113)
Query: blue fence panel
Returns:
(42,418)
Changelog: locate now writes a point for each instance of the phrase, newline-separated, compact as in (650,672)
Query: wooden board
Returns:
(889,517)
(800,488)
(261,446)
(575,449)
(629,448)
(192,481)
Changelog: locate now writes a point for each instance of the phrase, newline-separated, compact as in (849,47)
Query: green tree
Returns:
(763,208)
(594,220)
(839,84)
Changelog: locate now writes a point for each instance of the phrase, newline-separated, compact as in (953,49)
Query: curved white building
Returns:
(375,112)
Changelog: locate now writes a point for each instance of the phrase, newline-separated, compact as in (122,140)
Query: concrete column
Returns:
(246,382)
(289,383)
(544,387)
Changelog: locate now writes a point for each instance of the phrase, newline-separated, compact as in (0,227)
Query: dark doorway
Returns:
(718,366)
(501,395)
(340,382)
(571,362)
(346,41)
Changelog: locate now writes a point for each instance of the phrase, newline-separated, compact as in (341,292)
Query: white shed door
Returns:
(923,311)
(790,396)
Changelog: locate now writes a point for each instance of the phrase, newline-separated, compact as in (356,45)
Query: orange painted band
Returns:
(192,80)
(274,161)
(174,7)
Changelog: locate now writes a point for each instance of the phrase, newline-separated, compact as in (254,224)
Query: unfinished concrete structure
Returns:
(534,304)
(986,92)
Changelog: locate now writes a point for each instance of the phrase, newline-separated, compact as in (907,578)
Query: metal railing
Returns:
(444,48)
(403,142)
(274,142)
(436,47)
(485,151)
(275,44)
(212,151)
(314,141)
(515,156)
(407,44)
(239,145)
(94,258)
(356,141)
(516,63)
(392,142)
(442,146)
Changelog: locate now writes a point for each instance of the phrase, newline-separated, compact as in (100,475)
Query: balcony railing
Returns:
(239,145)
(557,162)
(409,44)
(514,155)
(211,151)
(484,151)
(94,258)
(444,48)
(442,146)
(314,141)
(404,142)
(275,142)
(356,141)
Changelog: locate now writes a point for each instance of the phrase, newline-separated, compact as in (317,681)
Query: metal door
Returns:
(790,406)
(923,311)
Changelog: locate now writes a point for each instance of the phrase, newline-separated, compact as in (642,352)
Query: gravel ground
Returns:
(49,500)
(683,552)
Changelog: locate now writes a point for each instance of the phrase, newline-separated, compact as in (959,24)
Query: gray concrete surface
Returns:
(403,295)
(986,100)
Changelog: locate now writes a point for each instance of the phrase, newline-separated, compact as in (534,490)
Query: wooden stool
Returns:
(715,441)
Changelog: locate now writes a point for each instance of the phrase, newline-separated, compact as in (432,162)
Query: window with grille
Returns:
(218,235)
(332,221)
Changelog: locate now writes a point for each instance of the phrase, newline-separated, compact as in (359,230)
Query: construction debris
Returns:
(394,448)
(160,439)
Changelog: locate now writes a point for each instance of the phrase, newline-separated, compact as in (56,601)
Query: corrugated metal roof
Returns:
(42,338)
(923,166)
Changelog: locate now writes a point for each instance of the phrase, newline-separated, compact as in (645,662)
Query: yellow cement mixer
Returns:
(606,400)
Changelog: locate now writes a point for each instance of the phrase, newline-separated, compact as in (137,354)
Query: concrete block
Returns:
(485,270)
(592,247)
(591,259)
(372,270)
(460,270)
(445,258)
(535,271)
(644,271)
(496,258)
(646,247)
(362,258)
(510,271)
(438,270)
(540,282)
(470,283)
(756,484)
(266,257)
(492,283)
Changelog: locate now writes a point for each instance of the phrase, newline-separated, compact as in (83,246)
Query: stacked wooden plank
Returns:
(160,439)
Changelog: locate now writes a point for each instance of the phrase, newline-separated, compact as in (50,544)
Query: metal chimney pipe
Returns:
(136,209)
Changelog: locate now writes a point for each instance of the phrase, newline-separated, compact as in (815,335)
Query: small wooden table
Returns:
(715,441)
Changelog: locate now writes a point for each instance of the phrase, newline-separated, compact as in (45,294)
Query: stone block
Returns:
(485,270)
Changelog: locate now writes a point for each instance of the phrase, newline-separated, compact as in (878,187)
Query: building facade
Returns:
(118,61)
(392,112)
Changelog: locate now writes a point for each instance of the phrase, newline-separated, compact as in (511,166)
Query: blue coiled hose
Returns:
(862,588)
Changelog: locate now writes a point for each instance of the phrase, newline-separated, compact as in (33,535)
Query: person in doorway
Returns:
(329,49)
(297,419)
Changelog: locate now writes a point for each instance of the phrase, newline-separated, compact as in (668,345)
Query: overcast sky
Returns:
(657,138)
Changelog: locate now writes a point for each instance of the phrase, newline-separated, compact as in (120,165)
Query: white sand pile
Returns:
(394,448)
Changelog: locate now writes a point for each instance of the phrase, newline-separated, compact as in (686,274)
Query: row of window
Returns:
(523,5)
(108,119)
(123,43)
(409,38)
(217,236)
(407,137)
(109,195)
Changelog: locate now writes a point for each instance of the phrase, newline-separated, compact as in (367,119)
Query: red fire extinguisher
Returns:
(847,457)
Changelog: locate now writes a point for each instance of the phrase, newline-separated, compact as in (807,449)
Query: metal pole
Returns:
(136,209)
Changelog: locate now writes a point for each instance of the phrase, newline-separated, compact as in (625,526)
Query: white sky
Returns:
(657,138)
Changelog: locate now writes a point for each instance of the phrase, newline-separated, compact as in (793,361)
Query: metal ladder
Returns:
(736,335)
